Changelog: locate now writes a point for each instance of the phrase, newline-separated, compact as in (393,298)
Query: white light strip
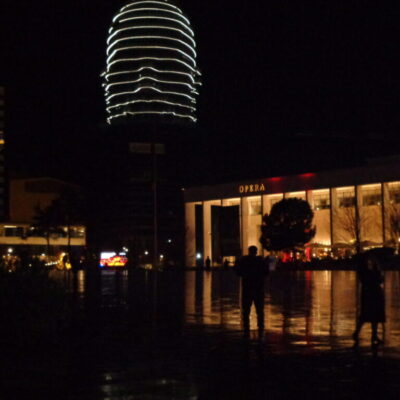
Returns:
(147,2)
(151,37)
(162,18)
(151,27)
(151,62)
(124,114)
(155,70)
(192,99)
(151,58)
(149,48)
(151,9)
(151,101)
(151,79)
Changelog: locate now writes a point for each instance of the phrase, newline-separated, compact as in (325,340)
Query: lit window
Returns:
(346,199)
(394,194)
(255,207)
(321,201)
(274,201)
(301,196)
(372,197)
(14,232)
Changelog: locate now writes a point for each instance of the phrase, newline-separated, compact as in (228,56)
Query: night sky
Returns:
(284,78)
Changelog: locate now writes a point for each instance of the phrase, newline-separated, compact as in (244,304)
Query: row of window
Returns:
(21,232)
(345,199)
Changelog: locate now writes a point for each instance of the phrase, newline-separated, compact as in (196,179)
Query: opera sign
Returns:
(256,188)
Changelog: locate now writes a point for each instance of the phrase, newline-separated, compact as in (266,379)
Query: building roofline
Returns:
(294,183)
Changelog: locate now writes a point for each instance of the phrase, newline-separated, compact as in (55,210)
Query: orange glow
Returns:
(115,261)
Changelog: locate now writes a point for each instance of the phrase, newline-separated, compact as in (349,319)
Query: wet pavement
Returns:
(177,335)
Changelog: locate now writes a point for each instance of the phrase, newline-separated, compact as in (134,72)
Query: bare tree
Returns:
(394,225)
(353,221)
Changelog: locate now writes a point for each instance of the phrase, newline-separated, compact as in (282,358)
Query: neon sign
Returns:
(113,260)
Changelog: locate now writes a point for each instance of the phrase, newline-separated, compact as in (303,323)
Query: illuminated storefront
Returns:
(222,221)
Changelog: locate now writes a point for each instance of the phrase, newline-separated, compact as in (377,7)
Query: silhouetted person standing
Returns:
(372,299)
(252,269)
(208,263)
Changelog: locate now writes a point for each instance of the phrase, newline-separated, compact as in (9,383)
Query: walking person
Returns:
(372,299)
(253,270)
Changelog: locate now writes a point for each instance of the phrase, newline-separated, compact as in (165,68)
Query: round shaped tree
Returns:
(288,227)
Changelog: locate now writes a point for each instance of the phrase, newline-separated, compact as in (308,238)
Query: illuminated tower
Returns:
(151,68)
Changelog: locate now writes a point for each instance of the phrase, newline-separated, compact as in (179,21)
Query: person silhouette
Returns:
(372,299)
(252,269)
(208,262)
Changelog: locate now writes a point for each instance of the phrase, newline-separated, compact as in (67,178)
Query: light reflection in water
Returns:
(313,308)
(81,282)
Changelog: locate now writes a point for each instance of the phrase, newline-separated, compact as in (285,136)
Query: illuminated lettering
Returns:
(254,188)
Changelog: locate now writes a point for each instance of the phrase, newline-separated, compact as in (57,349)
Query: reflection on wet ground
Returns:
(177,335)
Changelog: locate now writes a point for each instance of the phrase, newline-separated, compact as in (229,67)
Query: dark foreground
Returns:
(177,336)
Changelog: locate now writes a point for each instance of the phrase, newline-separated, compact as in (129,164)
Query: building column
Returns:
(244,216)
(207,230)
(358,211)
(333,214)
(309,197)
(190,234)
(263,212)
(386,231)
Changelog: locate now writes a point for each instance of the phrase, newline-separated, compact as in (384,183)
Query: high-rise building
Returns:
(151,63)
(3,180)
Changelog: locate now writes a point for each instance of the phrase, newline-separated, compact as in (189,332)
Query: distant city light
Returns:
(146,253)
(198,256)
(10,250)
(161,256)
(169,240)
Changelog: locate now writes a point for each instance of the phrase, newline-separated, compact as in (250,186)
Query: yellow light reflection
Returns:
(317,309)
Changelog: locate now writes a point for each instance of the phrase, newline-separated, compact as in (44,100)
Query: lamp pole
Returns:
(155,201)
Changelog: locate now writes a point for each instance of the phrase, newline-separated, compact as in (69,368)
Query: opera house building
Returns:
(352,207)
